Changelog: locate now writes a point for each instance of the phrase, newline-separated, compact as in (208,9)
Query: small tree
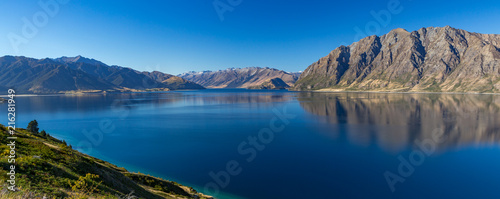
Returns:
(43,133)
(33,126)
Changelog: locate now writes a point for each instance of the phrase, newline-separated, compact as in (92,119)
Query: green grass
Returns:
(48,167)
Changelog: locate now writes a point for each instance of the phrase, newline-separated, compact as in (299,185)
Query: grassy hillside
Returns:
(49,167)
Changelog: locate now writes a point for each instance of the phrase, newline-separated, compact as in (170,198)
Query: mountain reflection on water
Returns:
(397,120)
(393,121)
(95,102)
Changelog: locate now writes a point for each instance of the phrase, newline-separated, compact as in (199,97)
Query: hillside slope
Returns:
(49,167)
(173,82)
(430,59)
(272,84)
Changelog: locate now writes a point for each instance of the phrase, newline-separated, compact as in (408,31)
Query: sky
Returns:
(176,36)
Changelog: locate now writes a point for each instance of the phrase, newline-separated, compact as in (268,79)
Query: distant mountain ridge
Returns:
(79,74)
(430,59)
(173,81)
(272,84)
(78,59)
(239,77)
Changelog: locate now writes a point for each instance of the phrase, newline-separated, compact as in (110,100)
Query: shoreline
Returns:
(134,169)
(399,92)
(315,91)
(113,168)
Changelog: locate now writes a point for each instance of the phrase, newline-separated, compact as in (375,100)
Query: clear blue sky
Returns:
(175,36)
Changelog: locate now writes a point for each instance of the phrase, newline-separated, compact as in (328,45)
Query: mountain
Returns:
(76,74)
(172,81)
(430,59)
(272,84)
(238,78)
(78,59)
(30,75)
(127,77)
(50,168)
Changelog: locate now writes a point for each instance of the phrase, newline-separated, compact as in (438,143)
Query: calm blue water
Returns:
(327,145)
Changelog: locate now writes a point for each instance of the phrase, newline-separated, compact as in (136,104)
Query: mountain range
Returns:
(430,60)
(434,59)
(80,74)
(239,77)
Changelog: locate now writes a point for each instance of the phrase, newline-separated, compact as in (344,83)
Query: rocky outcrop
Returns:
(272,84)
(430,59)
(239,78)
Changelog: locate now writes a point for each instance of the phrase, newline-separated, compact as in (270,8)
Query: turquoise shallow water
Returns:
(281,144)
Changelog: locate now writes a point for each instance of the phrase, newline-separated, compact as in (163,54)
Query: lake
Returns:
(280,144)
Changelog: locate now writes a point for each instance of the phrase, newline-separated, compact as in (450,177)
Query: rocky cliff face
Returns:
(238,78)
(430,59)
